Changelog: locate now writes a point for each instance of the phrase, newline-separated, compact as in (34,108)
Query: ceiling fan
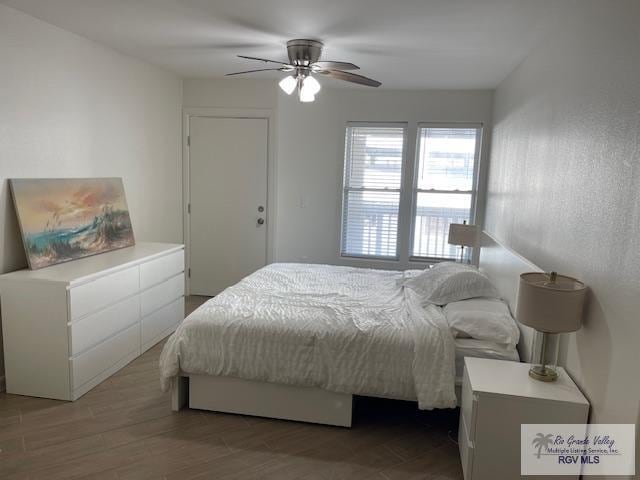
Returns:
(304,61)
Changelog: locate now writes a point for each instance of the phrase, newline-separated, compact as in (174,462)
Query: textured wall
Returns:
(69,107)
(564,187)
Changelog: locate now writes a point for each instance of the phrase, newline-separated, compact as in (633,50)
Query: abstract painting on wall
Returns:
(63,219)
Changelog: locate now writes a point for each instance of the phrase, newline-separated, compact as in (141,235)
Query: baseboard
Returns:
(3,384)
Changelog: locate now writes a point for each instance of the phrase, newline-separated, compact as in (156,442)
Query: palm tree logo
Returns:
(542,441)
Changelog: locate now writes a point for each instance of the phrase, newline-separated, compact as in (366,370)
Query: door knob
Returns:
(260,221)
(261,209)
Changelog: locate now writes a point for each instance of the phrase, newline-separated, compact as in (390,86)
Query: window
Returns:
(444,187)
(382,217)
(372,186)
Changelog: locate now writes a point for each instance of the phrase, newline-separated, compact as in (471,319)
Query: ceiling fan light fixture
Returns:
(306,96)
(304,60)
(311,84)
(288,84)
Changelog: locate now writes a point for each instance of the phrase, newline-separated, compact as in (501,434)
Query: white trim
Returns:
(406,201)
(267,114)
(480,187)
(397,124)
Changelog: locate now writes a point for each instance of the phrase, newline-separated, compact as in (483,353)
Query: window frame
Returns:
(415,190)
(345,189)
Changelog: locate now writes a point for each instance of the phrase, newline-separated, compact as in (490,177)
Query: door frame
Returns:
(214,112)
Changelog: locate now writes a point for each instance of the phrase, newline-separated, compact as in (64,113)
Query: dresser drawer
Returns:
(104,291)
(95,361)
(468,408)
(466,448)
(160,295)
(99,326)
(154,325)
(160,269)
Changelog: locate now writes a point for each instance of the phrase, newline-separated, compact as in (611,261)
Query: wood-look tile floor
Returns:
(125,429)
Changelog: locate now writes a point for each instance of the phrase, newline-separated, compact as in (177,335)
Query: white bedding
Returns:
(470,347)
(349,330)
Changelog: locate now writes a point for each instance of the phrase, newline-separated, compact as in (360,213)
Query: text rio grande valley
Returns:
(582,450)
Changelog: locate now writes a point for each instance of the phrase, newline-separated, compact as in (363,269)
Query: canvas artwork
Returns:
(64,219)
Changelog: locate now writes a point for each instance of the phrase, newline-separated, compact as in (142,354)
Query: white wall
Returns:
(311,155)
(564,185)
(310,149)
(230,93)
(70,107)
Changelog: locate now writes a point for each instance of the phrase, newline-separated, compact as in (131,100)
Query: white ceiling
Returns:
(406,44)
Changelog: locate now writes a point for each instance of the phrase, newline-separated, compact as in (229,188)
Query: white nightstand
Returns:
(497,397)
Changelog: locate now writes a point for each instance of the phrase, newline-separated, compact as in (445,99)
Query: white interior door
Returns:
(228,196)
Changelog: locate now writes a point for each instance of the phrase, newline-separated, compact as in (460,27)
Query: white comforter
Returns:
(349,330)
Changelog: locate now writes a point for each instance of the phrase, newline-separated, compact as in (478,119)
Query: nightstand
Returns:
(497,397)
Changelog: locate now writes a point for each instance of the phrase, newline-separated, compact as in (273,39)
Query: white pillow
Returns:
(450,282)
(482,319)
(407,274)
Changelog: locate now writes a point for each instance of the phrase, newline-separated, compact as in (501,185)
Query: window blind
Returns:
(372,185)
(444,187)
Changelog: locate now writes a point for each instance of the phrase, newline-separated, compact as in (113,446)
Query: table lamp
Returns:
(549,303)
(463,235)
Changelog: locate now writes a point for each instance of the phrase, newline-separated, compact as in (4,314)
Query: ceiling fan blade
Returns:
(259,70)
(266,60)
(325,64)
(350,77)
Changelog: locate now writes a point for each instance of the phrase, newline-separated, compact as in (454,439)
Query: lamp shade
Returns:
(550,303)
(463,234)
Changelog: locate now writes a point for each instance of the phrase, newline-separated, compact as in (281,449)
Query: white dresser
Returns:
(68,327)
(497,398)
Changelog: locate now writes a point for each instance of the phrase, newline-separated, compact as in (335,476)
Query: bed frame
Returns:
(261,399)
(314,405)
(503,266)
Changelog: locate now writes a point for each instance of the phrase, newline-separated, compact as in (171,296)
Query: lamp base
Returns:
(543,373)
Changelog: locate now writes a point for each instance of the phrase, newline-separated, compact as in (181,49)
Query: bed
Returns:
(296,341)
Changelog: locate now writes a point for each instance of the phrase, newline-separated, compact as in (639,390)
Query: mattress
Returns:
(343,329)
(470,347)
